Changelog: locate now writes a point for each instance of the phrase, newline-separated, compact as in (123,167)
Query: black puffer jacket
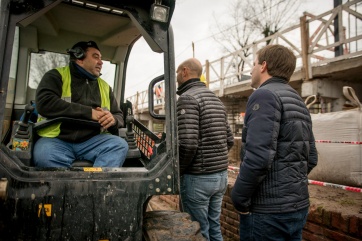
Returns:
(203,130)
(279,151)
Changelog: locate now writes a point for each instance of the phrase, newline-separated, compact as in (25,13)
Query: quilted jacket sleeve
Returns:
(188,129)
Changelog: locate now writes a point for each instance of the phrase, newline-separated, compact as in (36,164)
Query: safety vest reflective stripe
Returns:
(54,130)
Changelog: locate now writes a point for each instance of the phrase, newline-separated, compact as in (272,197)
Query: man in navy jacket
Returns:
(271,190)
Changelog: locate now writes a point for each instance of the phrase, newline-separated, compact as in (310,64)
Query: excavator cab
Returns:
(83,202)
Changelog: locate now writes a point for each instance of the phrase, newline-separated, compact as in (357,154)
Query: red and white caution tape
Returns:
(326,184)
(343,142)
(233,168)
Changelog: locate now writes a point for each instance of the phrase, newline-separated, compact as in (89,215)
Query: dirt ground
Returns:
(335,199)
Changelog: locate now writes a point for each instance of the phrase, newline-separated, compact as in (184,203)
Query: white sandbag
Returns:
(338,142)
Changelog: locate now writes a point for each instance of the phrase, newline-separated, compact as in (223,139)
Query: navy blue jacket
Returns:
(278,151)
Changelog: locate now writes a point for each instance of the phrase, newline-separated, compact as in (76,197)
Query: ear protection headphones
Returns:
(77,52)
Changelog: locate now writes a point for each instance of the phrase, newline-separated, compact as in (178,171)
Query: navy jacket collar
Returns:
(274,80)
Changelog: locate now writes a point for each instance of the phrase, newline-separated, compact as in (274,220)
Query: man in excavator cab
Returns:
(77,91)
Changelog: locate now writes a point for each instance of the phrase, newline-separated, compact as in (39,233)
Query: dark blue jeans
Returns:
(201,197)
(104,150)
(273,226)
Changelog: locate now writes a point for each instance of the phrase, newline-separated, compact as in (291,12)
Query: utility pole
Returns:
(193,49)
(338,50)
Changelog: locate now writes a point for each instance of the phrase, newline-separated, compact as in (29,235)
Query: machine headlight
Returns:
(159,12)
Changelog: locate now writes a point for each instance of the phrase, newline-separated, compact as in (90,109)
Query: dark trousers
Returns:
(273,227)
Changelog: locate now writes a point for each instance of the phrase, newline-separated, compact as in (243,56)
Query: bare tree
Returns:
(234,34)
(247,21)
(269,16)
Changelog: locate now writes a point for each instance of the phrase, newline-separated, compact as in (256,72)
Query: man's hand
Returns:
(104,117)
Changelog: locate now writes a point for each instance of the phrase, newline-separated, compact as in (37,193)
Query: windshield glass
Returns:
(40,63)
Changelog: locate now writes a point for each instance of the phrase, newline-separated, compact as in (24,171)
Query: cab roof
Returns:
(114,25)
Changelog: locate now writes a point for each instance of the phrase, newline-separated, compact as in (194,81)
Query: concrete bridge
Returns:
(329,56)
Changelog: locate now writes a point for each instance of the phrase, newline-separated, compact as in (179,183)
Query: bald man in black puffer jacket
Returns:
(204,141)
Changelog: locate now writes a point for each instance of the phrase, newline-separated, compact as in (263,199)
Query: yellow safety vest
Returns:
(54,130)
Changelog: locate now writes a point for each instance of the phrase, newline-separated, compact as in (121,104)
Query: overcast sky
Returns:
(191,22)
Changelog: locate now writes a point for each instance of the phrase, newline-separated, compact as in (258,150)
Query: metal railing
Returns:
(313,41)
